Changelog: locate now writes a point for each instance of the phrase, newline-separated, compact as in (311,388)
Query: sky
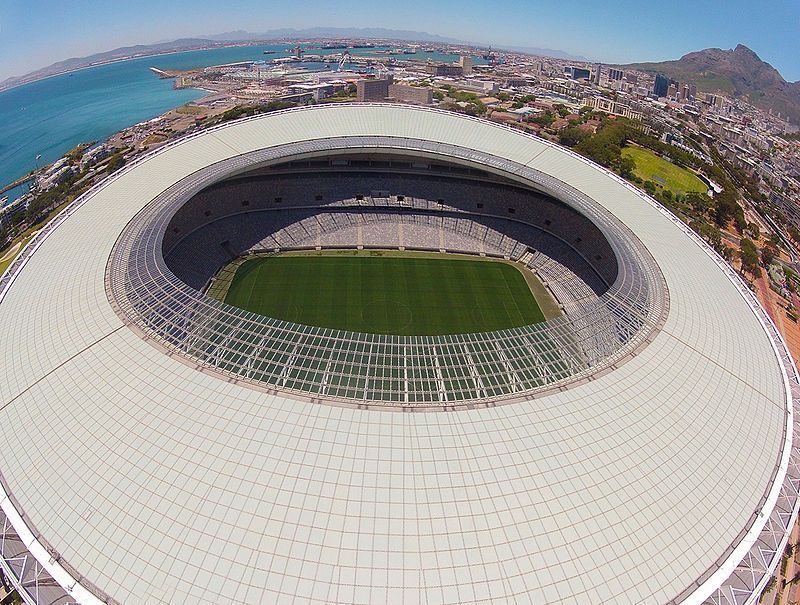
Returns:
(35,33)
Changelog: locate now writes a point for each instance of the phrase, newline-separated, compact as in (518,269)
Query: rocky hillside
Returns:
(738,73)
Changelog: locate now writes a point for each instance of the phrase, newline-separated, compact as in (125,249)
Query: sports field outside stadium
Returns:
(384,292)
(651,167)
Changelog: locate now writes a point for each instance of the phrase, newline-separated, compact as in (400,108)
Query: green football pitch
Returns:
(412,294)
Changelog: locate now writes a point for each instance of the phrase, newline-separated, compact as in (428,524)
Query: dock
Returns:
(161,73)
(17,183)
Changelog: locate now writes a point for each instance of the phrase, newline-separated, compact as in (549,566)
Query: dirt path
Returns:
(10,252)
(774,306)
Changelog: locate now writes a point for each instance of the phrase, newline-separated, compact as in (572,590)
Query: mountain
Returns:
(546,52)
(738,73)
(375,33)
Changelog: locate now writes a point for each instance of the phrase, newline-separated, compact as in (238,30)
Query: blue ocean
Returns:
(49,117)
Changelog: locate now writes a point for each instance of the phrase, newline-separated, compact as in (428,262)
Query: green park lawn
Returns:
(651,167)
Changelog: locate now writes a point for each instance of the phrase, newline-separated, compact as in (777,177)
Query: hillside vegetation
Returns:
(738,73)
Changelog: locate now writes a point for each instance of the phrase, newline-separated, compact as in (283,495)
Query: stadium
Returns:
(379,354)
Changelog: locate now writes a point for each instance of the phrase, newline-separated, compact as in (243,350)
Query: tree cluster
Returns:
(241,111)
(750,257)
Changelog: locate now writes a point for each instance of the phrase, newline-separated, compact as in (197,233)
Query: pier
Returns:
(17,183)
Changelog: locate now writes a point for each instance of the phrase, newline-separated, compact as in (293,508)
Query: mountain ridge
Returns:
(739,73)
(379,33)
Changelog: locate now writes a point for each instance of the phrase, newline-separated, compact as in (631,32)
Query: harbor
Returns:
(57,113)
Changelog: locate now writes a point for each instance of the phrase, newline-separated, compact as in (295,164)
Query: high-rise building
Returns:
(597,69)
(466,64)
(576,73)
(661,86)
(615,74)
(373,90)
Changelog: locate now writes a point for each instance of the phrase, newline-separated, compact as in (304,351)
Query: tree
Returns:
(700,202)
(727,252)
(749,257)
(546,119)
(725,208)
(753,230)
(572,136)
(768,254)
(625,166)
(605,146)
(116,162)
(600,150)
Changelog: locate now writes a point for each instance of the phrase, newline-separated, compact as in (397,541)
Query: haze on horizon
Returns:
(618,31)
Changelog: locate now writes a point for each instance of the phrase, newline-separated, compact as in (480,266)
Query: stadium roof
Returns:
(134,477)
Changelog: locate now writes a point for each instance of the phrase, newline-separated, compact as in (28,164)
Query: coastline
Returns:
(102,139)
(122,59)
(221,45)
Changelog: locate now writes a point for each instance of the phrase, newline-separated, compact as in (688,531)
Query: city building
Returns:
(479,86)
(672,91)
(598,68)
(373,89)
(466,64)
(11,209)
(421,95)
(613,107)
(616,74)
(317,91)
(576,73)
(661,86)
(444,69)
(516,82)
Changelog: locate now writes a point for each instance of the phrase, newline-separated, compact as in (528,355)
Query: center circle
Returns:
(375,312)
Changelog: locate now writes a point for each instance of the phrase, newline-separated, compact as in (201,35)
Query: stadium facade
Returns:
(162,446)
